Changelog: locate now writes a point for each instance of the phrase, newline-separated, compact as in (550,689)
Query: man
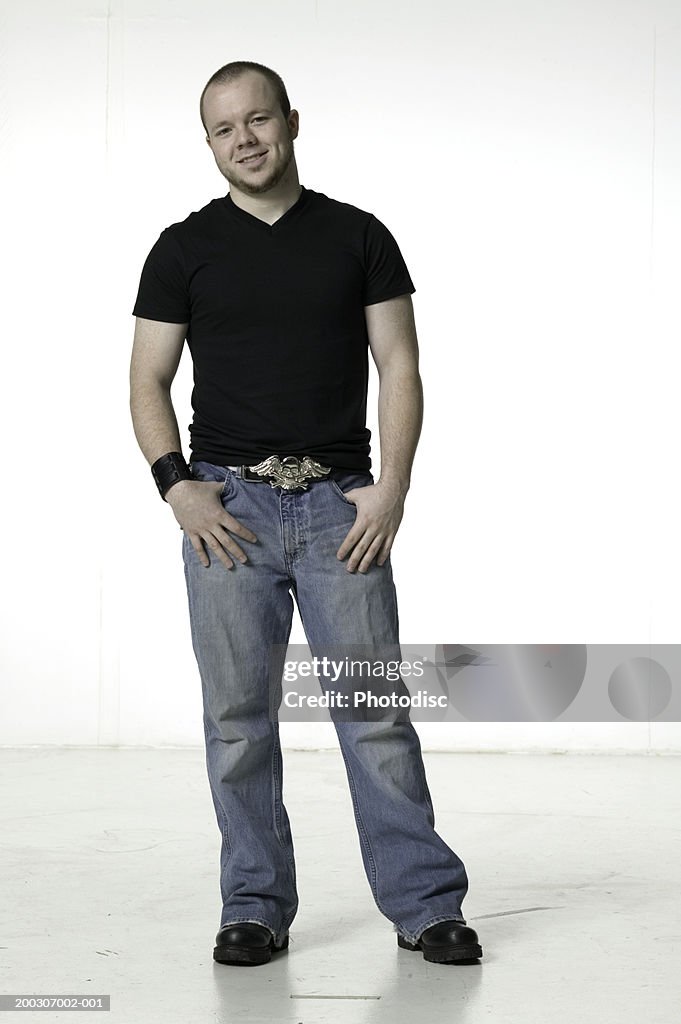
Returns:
(280,291)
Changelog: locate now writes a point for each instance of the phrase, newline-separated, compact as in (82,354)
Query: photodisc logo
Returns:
(477,682)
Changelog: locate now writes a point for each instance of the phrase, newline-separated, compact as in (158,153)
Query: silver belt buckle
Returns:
(290,473)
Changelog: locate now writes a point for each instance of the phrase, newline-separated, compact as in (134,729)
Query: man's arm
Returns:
(394,347)
(156,352)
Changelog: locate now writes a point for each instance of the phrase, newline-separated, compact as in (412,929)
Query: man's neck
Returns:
(269,206)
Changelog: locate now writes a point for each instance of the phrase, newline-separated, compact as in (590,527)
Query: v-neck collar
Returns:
(250,218)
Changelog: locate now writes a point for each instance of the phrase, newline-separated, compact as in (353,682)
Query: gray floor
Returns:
(109,878)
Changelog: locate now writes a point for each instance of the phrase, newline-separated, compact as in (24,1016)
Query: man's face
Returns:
(244,119)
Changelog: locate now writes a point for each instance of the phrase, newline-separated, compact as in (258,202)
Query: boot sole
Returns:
(247,954)
(447,955)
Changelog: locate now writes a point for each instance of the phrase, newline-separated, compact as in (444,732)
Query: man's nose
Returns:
(245,136)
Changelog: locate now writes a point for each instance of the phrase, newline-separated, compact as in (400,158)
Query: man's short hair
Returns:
(235,69)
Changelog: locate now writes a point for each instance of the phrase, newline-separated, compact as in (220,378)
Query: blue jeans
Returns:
(235,615)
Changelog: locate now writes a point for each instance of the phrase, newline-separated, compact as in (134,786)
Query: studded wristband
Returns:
(169,470)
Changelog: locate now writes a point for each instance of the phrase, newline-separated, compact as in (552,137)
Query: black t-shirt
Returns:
(276,322)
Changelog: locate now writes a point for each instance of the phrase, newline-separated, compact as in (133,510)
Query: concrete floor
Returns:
(110,886)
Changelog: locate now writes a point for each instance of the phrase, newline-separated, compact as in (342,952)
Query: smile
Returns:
(256,159)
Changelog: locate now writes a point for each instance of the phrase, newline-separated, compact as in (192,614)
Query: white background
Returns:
(526,156)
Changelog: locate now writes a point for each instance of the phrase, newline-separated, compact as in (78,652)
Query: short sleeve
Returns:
(386,272)
(163,293)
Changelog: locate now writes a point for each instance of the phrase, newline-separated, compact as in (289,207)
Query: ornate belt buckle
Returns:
(290,473)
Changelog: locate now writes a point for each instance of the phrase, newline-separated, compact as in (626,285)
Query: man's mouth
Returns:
(252,158)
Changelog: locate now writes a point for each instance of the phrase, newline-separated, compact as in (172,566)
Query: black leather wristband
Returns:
(169,470)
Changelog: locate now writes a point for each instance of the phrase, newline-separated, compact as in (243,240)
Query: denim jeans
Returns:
(236,615)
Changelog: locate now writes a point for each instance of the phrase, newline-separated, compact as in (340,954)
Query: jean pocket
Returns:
(348,481)
(207,472)
(229,486)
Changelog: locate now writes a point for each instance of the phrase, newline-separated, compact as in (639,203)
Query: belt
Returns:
(289,473)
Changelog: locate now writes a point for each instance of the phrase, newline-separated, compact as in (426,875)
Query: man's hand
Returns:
(380,508)
(202,516)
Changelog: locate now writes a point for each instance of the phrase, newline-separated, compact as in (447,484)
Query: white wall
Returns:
(527,157)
